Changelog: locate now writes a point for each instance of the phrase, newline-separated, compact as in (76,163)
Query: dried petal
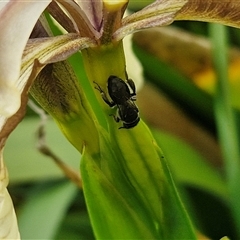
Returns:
(224,12)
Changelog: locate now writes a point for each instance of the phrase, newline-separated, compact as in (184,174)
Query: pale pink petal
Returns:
(93,10)
(3,4)
(17,19)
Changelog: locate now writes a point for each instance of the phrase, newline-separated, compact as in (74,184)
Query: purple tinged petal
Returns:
(164,12)
(17,21)
(159,13)
(94,11)
(42,51)
(50,50)
(61,17)
(80,19)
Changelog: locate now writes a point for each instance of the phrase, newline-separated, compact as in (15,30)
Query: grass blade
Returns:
(225,119)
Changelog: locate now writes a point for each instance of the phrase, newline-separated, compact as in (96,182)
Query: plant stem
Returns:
(225,119)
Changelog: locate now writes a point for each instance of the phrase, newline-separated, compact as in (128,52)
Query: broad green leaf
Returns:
(130,179)
(41,215)
(189,167)
(76,225)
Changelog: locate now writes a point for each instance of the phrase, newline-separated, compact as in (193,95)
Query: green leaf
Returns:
(189,167)
(42,214)
(225,119)
(113,207)
(130,179)
(127,185)
(76,225)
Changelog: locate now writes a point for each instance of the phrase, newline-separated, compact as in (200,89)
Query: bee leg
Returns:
(104,96)
(116,118)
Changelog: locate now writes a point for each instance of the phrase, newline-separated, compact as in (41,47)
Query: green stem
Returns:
(129,178)
(101,62)
(225,119)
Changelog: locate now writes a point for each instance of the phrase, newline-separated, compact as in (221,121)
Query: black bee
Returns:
(119,91)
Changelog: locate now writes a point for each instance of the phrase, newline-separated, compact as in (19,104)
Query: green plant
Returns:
(126,181)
